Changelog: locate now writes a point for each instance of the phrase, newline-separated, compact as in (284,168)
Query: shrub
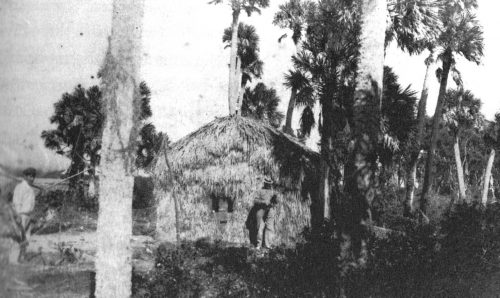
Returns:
(398,266)
(421,261)
(53,199)
(214,269)
(471,240)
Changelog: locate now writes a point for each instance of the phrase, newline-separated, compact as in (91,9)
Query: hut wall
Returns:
(165,216)
(198,220)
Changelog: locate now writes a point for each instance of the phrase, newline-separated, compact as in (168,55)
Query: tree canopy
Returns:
(79,120)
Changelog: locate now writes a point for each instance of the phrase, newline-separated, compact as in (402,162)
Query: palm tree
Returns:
(305,80)
(292,15)
(301,89)
(261,103)
(398,119)
(492,141)
(461,35)
(461,112)
(415,26)
(418,137)
(237,6)
(249,63)
(119,73)
(79,119)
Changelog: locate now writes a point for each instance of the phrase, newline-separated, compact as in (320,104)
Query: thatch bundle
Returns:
(226,160)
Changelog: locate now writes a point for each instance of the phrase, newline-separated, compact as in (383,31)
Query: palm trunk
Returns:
(460,170)
(324,192)
(291,104)
(120,93)
(232,93)
(487,175)
(289,112)
(360,169)
(239,89)
(492,189)
(424,199)
(422,106)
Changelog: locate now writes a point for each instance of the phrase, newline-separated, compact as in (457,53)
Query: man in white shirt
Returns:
(23,202)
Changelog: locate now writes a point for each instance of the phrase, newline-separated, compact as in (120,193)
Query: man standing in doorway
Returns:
(23,201)
(256,218)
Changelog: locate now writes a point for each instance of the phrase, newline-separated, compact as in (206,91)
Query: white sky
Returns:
(47,47)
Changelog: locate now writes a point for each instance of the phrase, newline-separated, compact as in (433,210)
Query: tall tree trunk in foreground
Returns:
(422,106)
(360,169)
(429,165)
(460,170)
(233,68)
(487,175)
(289,112)
(122,106)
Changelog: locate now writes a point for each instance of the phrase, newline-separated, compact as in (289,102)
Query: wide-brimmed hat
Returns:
(268,182)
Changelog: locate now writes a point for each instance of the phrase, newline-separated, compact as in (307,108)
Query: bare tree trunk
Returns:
(291,104)
(289,113)
(324,192)
(429,166)
(460,171)
(171,175)
(120,93)
(487,175)
(492,189)
(361,182)
(239,89)
(232,93)
(422,106)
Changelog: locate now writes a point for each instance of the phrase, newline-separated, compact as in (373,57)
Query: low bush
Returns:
(471,240)
(211,269)
(401,265)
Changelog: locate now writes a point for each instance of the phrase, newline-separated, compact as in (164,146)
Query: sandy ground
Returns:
(62,265)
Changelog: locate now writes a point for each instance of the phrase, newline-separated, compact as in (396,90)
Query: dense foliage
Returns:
(261,103)
(418,260)
(79,119)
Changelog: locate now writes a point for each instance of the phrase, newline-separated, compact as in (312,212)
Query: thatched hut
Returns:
(205,183)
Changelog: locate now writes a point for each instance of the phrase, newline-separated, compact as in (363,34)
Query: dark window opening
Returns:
(222,203)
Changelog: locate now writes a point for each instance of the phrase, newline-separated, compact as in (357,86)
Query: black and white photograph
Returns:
(249,148)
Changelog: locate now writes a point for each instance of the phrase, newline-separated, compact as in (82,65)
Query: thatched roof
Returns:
(229,149)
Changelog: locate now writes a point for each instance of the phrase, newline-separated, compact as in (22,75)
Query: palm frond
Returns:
(307,121)
(415,25)
(305,97)
(261,103)
(463,35)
